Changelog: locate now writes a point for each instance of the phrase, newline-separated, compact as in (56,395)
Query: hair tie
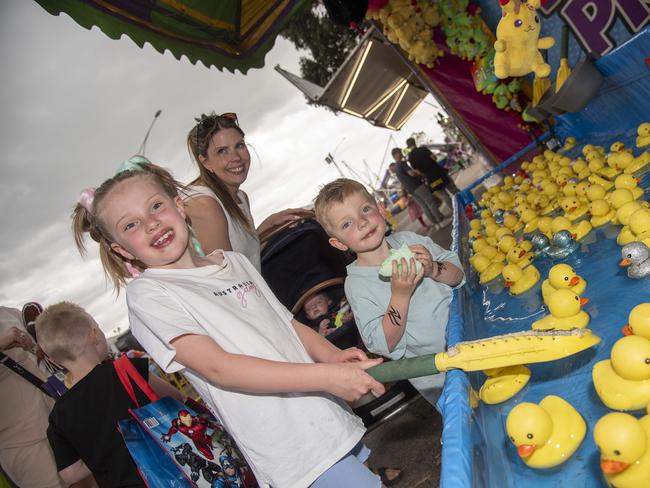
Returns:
(134,163)
(86,198)
(195,243)
(133,271)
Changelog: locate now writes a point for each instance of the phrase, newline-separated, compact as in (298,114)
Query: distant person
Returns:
(406,316)
(25,455)
(83,424)
(220,211)
(413,183)
(414,210)
(437,177)
(270,380)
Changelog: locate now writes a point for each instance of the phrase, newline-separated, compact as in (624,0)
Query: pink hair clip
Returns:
(86,199)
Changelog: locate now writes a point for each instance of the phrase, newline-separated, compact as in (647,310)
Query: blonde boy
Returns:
(403,317)
(83,423)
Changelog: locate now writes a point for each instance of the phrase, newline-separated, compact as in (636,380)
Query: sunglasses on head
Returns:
(206,123)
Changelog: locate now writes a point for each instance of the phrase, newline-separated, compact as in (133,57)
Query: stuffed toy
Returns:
(518,42)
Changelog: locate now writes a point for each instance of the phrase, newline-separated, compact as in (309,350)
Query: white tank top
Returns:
(240,239)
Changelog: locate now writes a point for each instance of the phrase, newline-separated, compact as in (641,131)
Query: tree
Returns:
(325,43)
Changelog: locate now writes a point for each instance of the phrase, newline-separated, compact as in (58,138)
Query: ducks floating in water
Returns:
(562,276)
(503,383)
(517,280)
(564,306)
(546,434)
(624,445)
(638,322)
(623,381)
(636,256)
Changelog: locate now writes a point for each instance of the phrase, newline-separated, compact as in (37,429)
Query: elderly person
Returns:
(219,209)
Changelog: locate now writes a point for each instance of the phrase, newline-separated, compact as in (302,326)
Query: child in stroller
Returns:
(299,263)
(324,314)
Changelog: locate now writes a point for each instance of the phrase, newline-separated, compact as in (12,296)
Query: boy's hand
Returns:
(423,255)
(404,281)
(350,381)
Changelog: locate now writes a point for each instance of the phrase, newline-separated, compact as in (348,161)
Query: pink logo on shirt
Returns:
(243,291)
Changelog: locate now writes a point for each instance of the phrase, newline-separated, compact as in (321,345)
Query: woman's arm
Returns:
(209,223)
(254,375)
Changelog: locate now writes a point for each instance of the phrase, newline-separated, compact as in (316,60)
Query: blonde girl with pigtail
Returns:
(272,381)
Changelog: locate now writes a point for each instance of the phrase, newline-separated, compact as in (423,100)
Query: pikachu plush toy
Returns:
(518,42)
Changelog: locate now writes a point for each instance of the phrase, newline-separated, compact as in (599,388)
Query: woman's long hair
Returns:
(198,141)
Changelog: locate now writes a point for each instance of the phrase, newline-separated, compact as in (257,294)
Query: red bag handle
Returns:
(125,370)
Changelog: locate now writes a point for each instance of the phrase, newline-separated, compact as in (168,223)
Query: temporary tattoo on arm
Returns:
(394,317)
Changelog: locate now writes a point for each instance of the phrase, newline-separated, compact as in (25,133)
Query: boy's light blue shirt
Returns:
(428,310)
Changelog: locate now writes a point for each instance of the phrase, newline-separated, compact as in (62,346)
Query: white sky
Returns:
(74,104)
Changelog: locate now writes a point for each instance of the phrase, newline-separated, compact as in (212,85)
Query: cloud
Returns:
(76,103)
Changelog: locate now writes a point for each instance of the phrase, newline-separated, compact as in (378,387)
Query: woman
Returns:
(220,211)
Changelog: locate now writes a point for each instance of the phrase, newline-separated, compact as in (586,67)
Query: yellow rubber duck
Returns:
(623,381)
(544,226)
(487,269)
(564,306)
(573,208)
(624,445)
(601,213)
(631,183)
(490,252)
(638,322)
(512,223)
(474,234)
(518,255)
(595,192)
(475,224)
(638,163)
(599,180)
(578,230)
(640,224)
(519,280)
(503,383)
(530,219)
(643,138)
(546,434)
(569,143)
(562,277)
(620,197)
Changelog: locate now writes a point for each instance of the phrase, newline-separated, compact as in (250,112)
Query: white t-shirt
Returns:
(240,239)
(288,439)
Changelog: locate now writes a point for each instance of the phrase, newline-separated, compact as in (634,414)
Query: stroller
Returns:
(297,262)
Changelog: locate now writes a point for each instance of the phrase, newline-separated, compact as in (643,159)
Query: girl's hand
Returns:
(423,255)
(404,281)
(349,355)
(14,337)
(350,382)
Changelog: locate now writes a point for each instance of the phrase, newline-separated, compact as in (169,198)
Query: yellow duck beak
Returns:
(525,450)
(627,330)
(574,281)
(625,262)
(583,301)
(612,467)
(508,284)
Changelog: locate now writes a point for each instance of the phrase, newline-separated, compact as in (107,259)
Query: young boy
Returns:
(83,423)
(403,317)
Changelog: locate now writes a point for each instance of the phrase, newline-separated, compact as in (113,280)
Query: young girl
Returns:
(268,378)
(414,210)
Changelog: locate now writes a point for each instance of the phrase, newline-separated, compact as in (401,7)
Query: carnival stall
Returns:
(563,213)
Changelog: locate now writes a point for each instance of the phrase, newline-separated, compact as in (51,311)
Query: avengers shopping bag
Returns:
(177,446)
